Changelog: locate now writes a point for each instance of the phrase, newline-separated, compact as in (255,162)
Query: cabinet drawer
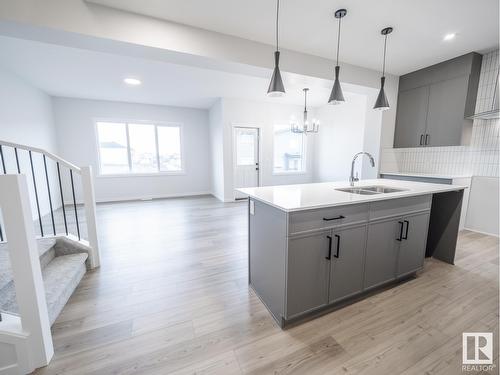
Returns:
(401,206)
(315,219)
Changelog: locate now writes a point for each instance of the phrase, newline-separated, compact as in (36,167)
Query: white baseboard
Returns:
(148,197)
(481,232)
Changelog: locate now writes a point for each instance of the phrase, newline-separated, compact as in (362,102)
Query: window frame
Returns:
(303,170)
(130,173)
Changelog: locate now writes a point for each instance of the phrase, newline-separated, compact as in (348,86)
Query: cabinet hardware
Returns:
(400,231)
(406,232)
(334,218)
(421,139)
(329,257)
(427,136)
(338,246)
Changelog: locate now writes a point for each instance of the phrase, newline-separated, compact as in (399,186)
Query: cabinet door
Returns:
(411,117)
(308,273)
(381,252)
(347,263)
(412,248)
(445,120)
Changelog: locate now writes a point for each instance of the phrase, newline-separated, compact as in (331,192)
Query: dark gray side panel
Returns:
(444,225)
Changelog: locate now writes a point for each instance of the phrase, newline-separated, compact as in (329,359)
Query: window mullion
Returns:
(129,155)
(157,149)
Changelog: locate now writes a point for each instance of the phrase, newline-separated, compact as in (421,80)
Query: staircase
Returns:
(63,264)
(41,261)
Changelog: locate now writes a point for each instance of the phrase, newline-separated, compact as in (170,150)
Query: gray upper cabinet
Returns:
(434,102)
(445,121)
(347,262)
(412,247)
(411,116)
(307,273)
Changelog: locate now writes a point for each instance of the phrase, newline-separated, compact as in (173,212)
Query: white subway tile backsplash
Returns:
(481,157)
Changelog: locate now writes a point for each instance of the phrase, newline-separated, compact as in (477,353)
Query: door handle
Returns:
(329,257)
(406,232)
(421,139)
(338,246)
(427,137)
(334,218)
(400,231)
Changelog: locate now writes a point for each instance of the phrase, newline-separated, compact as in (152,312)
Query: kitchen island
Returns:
(313,247)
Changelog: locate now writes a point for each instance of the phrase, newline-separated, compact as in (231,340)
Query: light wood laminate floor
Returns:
(171,297)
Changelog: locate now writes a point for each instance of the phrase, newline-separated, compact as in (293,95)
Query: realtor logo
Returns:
(477,348)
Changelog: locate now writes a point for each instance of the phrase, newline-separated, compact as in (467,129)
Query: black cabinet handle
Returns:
(329,248)
(401,224)
(338,246)
(406,232)
(334,218)
(421,139)
(427,136)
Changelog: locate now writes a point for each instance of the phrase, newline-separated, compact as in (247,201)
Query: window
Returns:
(289,150)
(139,148)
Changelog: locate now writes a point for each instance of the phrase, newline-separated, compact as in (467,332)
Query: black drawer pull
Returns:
(427,136)
(338,246)
(406,232)
(334,218)
(421,139)
(329,257)
(401,224)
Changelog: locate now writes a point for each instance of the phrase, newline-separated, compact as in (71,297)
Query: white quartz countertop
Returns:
(318,195)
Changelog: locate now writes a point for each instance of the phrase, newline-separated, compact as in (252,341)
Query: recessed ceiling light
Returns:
(132,81)
(449,36)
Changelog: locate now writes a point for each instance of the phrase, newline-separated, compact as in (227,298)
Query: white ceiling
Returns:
(309,26)
(71,72)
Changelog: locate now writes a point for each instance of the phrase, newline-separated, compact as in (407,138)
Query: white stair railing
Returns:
(87,190)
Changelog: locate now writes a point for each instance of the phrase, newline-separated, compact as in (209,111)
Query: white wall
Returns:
(342,134)
(217,149)
(26,118)
(262,115)
(77,142)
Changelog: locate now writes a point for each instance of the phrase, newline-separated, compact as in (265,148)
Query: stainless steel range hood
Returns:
(492,113)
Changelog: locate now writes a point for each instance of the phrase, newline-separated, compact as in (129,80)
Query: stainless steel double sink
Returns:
(370,190)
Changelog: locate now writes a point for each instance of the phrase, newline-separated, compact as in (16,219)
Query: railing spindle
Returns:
(36,194)
(62,199)
(50,198)
(3,160)
(17,161)
(74,203)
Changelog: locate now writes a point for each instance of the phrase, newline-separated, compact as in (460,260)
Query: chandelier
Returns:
(306,126)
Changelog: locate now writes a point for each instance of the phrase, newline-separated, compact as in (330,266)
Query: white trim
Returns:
(288,173)
(154,123)
(159,196)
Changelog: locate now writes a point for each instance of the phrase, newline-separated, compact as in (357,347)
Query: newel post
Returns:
(90,215)
(26,270)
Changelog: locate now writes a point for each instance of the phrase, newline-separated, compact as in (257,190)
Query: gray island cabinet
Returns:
(309,260)
(315,247)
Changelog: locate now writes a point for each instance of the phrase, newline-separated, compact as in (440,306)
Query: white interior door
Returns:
(246,158)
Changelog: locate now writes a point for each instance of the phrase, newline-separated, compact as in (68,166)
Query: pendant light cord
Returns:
(338,41)
(277,23)
(385,48)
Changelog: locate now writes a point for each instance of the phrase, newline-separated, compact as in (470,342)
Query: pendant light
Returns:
(336,96)
(276,87)
(305,128)
(381,103)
